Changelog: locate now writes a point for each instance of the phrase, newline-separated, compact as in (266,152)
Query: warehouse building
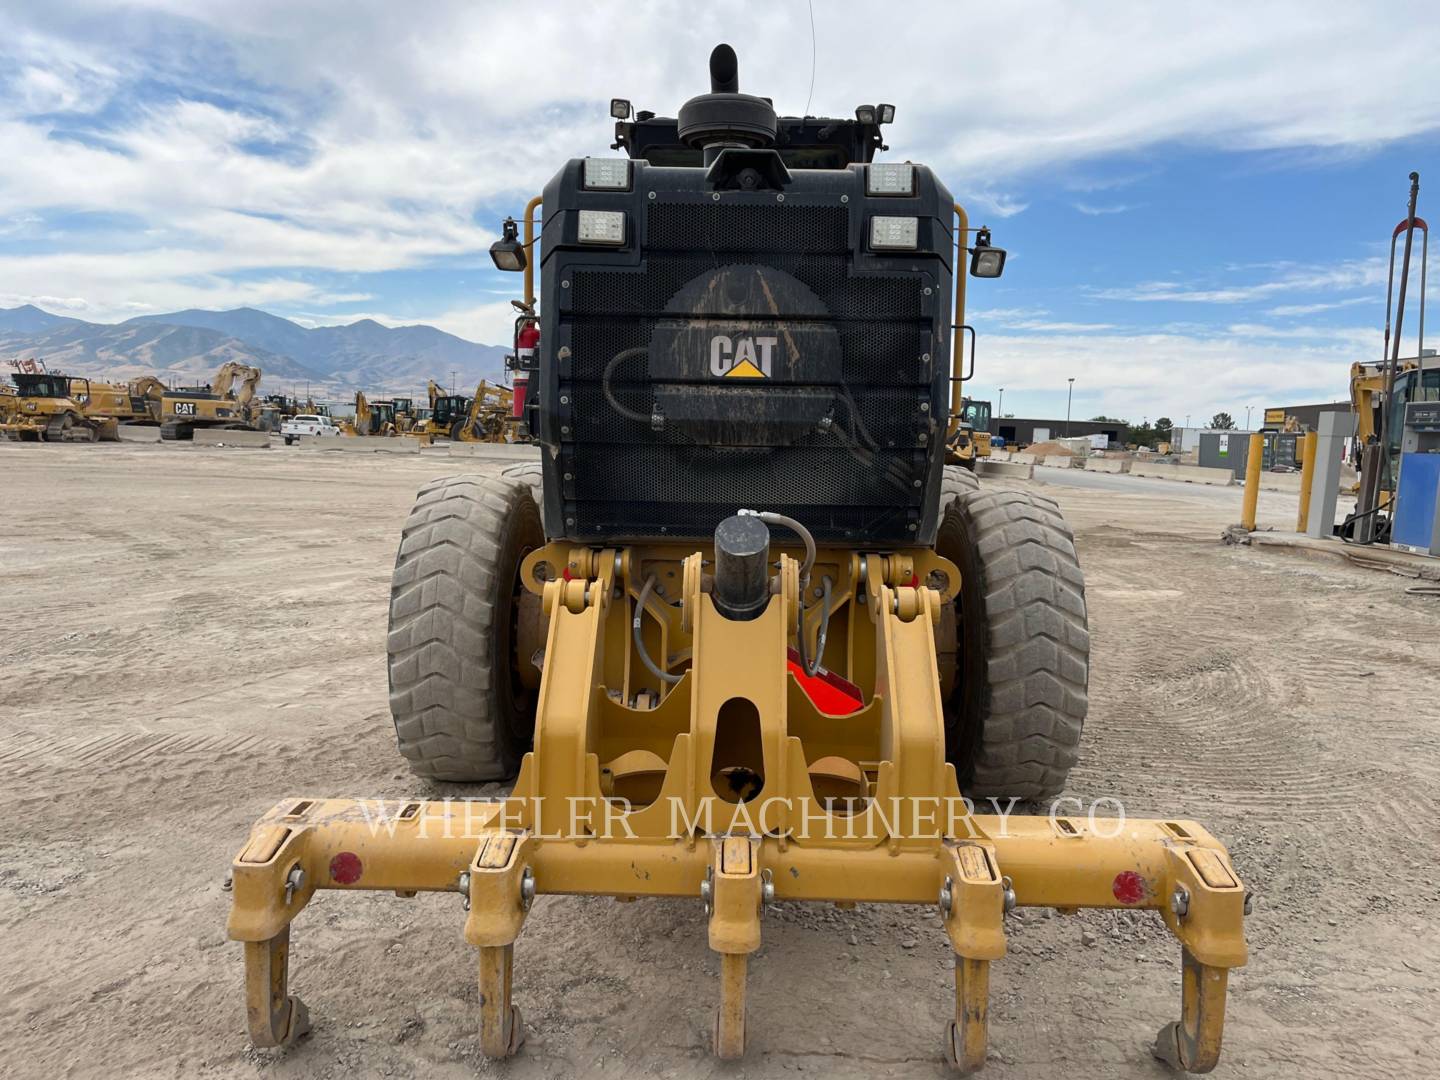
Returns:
(1022,432)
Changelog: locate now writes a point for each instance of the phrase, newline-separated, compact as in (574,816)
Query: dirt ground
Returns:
(193,634)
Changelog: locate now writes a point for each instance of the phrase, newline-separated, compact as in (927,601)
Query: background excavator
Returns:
(227,402)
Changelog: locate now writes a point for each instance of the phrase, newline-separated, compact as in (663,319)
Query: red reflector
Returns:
(1129,887)
(829,692)
(345,868)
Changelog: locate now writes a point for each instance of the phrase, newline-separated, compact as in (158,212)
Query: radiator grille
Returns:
(863,477)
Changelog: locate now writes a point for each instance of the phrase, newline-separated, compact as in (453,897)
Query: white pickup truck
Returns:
(305,424)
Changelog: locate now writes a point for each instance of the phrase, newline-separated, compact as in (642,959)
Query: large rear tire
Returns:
(1014,718)
(461,709)
(531,473)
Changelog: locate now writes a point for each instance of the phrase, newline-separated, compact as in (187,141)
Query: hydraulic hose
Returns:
(772,518)
(814,666)
(655,670)
(629,414)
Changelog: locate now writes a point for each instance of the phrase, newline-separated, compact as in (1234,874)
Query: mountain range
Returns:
(187,347)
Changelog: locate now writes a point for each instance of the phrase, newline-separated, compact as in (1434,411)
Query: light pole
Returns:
(1000,405)
(1247,416)
(452,383)
(1069,394)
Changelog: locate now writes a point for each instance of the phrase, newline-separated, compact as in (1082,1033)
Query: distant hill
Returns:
(362,353)
(190,345)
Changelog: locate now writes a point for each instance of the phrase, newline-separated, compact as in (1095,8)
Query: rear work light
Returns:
(890,178)
(602,227)
(607,174)
(894,233)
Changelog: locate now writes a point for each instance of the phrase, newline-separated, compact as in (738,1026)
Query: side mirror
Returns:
(986,261)
(508,253)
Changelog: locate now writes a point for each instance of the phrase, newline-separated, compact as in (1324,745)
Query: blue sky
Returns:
(1197,200)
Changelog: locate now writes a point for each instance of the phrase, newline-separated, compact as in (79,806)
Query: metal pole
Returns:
(1247,416)
(1000,406)
(1386,482)
(1069,394)
(1307,479)
(1252,481)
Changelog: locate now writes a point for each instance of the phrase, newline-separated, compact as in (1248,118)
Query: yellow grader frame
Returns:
(629,800)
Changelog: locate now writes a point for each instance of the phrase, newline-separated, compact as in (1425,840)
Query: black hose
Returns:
(812,668)
(772,518)
(629,414)
(639,642)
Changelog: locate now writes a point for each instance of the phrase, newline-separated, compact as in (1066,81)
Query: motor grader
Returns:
(740,636)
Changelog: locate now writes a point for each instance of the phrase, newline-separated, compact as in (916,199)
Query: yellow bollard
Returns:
(1252,480)
(1307,477)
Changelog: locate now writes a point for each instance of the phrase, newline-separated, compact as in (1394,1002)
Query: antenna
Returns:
(811,95)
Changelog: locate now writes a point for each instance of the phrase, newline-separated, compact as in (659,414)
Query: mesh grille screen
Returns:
(862,476)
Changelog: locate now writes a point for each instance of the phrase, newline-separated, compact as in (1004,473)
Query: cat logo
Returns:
(742,358)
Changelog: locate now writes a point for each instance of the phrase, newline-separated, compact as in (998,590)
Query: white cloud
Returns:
(1136,375)
(397,130)
(1098,211)
(1285,310)
(1354,274)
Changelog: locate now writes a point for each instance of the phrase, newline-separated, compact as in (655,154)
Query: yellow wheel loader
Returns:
(449,413)
(744,639)
(227,402)
(969,437)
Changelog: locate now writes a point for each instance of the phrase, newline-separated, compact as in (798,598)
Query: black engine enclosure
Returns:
(837,412)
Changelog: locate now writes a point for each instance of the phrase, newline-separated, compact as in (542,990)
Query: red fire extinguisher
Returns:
(526,342)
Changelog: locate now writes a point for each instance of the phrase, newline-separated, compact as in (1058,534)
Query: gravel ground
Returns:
(195,634)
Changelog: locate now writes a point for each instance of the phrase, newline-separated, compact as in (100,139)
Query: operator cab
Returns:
(43,385)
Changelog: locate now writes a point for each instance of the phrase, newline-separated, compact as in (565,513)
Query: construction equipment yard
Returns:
(195,631)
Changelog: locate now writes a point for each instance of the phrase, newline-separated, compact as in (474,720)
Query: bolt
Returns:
(928,290)
(1180,901)
(706,891)
(462,886)
(918,484)
(1249,902)
(564,284)
(294,882)
(1009,887)
(715,196)
(947,896)
(228,883)
(844,198)
(652,195)
(924,438)
(564,400)
(924,405)
(564,430)
(527,889)
(779,198)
